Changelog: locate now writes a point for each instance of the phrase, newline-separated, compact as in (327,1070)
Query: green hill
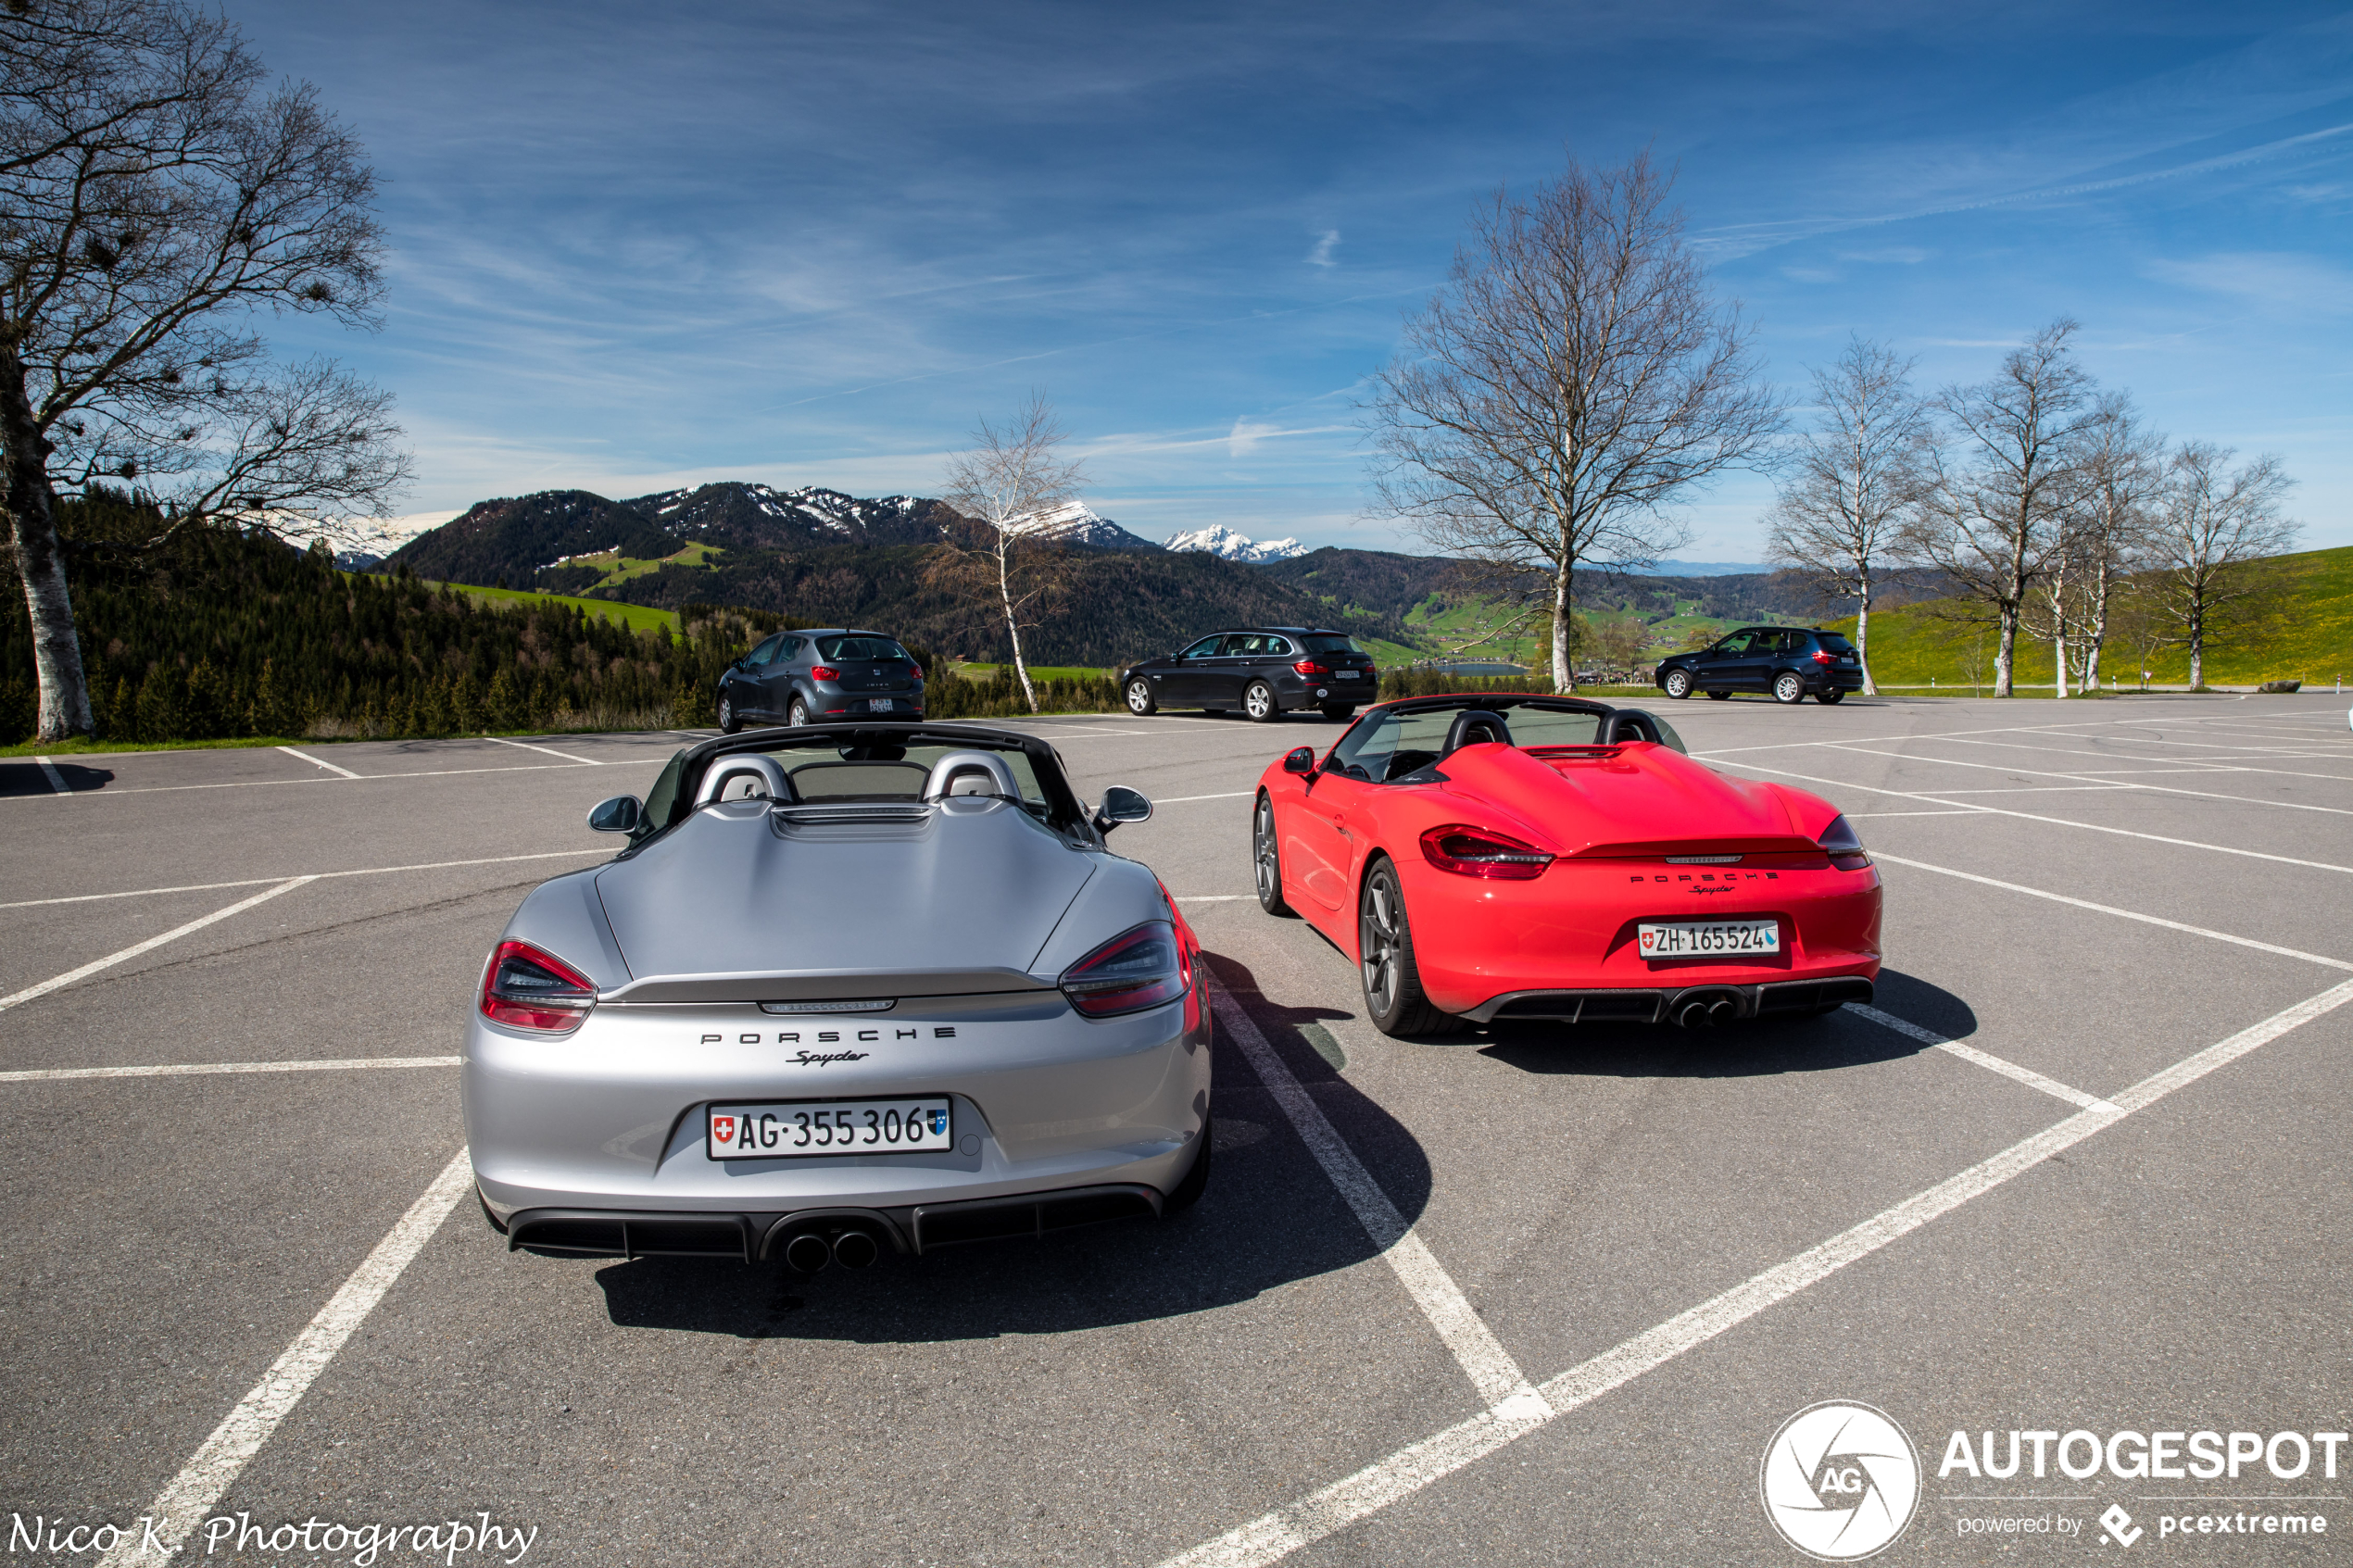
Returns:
(2306,634)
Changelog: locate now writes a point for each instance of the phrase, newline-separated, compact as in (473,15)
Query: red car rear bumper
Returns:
(1486,948)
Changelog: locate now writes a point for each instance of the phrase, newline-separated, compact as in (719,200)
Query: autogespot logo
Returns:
(1840,1481)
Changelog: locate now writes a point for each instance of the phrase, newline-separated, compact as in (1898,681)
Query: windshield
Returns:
(827,771)
(831,649)
(1325,643)
(1389,744)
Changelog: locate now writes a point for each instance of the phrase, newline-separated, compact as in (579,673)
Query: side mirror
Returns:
(1301,759)
(1121,805)
(620,814)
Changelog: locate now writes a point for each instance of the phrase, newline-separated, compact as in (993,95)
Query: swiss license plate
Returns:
(796,1128)
(1708,939)
(1343,674)
(878,704)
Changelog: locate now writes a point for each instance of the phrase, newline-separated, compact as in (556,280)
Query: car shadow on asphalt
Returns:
(1270,1217)
(24,776)
(1757,1050)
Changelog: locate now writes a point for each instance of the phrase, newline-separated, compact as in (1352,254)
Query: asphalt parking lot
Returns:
(1523,1297)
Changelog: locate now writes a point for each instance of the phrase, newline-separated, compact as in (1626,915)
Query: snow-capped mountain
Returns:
(1075,523)
(736,515)
(1220,540)
(359,542)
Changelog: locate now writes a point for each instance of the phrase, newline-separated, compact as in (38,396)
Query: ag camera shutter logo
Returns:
(1840,1481)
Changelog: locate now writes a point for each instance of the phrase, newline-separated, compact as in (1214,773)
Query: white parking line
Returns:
(1273,1535)
(2050,774)
(1181,799)
(319,762)
(1490,1367)
(2112,909)
(314,876)
(2032,817)
(545,751)
(200,1069)
(2011,1069)
(364,778)
(30,992)
(184,1502)
(1212,898)
(56,779)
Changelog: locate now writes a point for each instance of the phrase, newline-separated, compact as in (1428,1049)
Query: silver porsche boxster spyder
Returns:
(850,990)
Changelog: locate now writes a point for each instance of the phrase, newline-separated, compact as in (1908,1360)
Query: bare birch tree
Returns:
(2213,528)
(1852,482)
(1005,486)
(1572,381)
(153,199)
(2122,470)
(1993,523)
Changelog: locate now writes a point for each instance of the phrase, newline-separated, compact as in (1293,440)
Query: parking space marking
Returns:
(2032,817)
(362,778)
(56,779)
(1986,1059)
(1212,898)
(1181,799)
(150,945)
(2050,774)
(2112,909)
(319,762)
(545,751)
(183,1502)
(200,1069)
(1483,1359)
(1273,1535)
(314,876)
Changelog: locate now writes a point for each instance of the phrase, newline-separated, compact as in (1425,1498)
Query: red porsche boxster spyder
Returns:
(1524,857)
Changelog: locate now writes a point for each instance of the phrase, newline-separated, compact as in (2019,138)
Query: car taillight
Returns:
(824,672)
(916,671)
(1138,969)
(1311,670)
(1843,845)
(1822,657)
(1469,851)
(524,987)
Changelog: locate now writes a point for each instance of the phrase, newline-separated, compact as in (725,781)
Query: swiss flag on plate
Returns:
(1649,937)
(722,1129)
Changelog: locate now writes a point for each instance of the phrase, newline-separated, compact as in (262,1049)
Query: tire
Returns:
(797,714)
(1788,688)
(1339,713)
(729,720)
(1140,701)
(1186,1193)
(1260,702)
(1829,699)
(1266,858)
(1392,981)
(1719,697)
(1678,684)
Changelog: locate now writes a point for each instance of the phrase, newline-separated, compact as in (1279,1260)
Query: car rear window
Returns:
(834,648)
(1833,643)
(1331,644)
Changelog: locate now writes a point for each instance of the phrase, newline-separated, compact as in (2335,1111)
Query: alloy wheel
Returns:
(1263,854)
(1789,686)
(1140,697)
(1678,685)
(1376,941)
(797,714)
(1259,701)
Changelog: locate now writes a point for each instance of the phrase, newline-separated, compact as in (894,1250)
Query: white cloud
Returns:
(1322,254)
(1246,434)
(2284,280)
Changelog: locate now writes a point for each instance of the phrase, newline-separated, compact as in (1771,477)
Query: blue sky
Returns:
(637,246)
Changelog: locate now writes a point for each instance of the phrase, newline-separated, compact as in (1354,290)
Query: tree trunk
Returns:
(2197,651)
(2097,633)
(33,519)
(1563,607)
(1013,622)
(1863,633)
(2004,648)
(2059,661)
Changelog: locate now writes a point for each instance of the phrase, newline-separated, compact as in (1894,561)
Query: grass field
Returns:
(637,618)
(2309,637)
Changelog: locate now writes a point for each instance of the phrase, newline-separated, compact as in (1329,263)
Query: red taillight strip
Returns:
(557,1008)
(1468,851)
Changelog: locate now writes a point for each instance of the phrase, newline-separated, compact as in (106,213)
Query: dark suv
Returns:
(809,677)
(1789,662)
(1266,672)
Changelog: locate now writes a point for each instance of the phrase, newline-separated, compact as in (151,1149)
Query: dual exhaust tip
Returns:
(1705,1009)
(811,1251)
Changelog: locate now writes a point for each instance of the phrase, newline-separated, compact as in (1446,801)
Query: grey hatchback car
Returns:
(810,677)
